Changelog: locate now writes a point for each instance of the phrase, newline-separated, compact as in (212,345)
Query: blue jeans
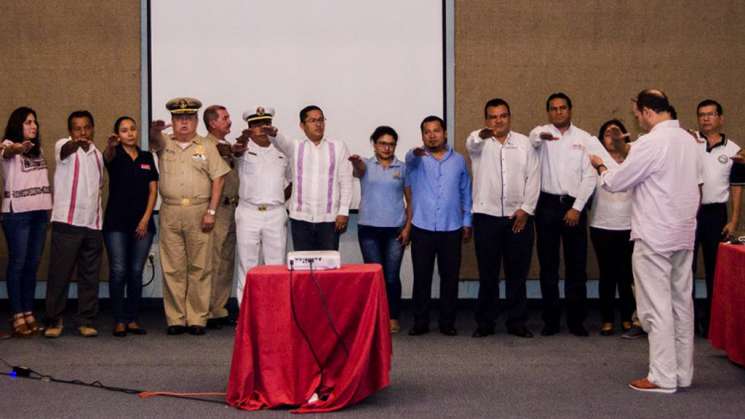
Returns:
(25,233)
(379,245)
(127,255)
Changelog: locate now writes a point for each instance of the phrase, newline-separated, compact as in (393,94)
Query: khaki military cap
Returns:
(183,105)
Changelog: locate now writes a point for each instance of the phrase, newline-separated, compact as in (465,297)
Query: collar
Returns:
(670,123)
(395,163)
(320,143)
(722,142)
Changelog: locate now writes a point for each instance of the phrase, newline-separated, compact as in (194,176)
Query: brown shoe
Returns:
(395,326)
(626,326)
(19,326)
(87,331)
(645,385)
(54,330)
(120,330)
(606,329)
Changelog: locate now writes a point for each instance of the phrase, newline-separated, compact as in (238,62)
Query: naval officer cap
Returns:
(260,113)
(183,106)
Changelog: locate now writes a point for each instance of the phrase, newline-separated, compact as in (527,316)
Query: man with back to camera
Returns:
(440,188)
(664,172)
(321,183)
(217,120)
(506,185)
(567,182)
(721,184)
(191,181)
(261,216)
(76,226)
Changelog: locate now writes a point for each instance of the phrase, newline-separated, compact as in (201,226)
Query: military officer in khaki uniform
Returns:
(217,120)
(191,181)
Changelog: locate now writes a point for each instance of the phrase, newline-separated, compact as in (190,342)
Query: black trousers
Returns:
(426,246)
(711,220)
(613,250)
(74,247)
(495,243)
(550,231)
(314,236)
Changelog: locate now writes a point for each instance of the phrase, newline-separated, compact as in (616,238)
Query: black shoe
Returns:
(448,331)
(227,321)
(176,330)
(520,331)
(550,330)
(214,324)
(481,332)
(418,330)
(578,330)
(197,330)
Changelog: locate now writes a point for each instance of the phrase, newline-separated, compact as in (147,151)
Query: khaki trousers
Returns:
(223,257)
(663,284)
(185,257)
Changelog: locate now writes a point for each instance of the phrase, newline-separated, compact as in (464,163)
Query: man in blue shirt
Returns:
(440,187)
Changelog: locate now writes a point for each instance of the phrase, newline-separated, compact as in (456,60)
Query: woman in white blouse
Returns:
(610,230)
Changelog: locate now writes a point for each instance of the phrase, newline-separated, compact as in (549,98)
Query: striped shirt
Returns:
(78,182)
(321,178)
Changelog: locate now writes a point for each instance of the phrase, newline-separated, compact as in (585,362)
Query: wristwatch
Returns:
(210,211)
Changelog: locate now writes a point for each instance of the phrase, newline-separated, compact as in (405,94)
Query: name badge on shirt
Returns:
(397,174)
(577,146)
(723,159)
(145,166)
(510,146)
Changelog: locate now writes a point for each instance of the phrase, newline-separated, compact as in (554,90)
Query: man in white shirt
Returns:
(261,216)
(663,170)
(217,120)
(321,183)
(567,182)
(76,226)
(720,186)
(506,185)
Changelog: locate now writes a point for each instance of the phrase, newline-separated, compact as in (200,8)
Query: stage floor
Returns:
(433,376)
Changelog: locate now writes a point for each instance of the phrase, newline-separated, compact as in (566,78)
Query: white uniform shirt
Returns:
(321,178)
(717,169)
(78,181)
(610,210)
(565,163)
(263,174)
(506,177)
(663,171)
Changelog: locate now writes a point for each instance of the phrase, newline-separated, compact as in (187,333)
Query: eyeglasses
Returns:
(386,145)
(708,114)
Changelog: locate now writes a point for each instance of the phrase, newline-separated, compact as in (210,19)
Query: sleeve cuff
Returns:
(343,211)
(529,210)
(579,204)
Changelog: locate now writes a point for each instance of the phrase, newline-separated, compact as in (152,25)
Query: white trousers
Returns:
(258,233)
(664,303)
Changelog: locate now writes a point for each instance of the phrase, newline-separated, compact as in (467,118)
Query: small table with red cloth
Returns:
(727,324)
(274,365)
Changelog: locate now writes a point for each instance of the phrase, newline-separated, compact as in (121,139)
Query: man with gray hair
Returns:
(664,172)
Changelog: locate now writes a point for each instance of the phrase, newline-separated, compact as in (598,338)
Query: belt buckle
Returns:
(261,208)
(185,202)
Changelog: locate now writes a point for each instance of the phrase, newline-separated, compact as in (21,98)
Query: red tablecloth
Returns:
(727,325)
(273,364)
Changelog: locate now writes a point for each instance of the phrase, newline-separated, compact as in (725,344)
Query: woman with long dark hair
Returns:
(128,227)
(26,203)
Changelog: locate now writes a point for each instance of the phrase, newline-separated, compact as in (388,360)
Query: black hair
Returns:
(493,103)
(710,102)
(558,95)
(306,110)
(606,124)
(432,118)
(79,114)
(381,131)
(654,100)
(14,129)
(119,121)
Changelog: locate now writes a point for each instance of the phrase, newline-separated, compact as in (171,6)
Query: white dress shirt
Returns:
(565,163)
(506,177)
(610,210)
(663,171)
(78,181)
(264,174)
(717,168)
(321,178)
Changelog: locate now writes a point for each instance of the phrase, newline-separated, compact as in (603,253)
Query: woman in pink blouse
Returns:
(26,202)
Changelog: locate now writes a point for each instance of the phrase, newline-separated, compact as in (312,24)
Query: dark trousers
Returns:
(127,256)
(25,233)
(495,242)
(445,247)
(711,220)
(550,231)
(613,250)
(314,236)
(380,245)
(74,247)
